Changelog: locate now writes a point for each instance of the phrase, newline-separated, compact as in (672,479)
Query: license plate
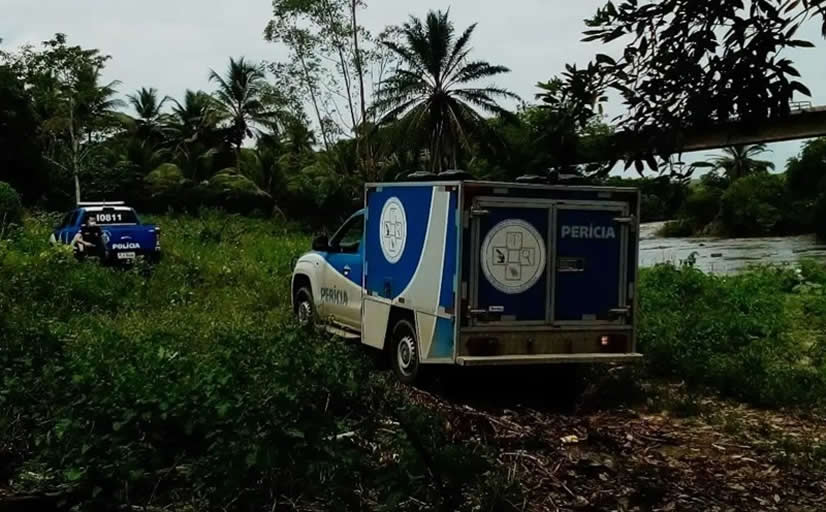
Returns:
(126,255)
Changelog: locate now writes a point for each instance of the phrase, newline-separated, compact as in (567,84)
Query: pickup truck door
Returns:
(341,288)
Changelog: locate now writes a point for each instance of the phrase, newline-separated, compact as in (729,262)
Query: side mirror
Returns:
(321,243)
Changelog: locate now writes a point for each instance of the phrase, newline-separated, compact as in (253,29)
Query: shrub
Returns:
(167,188)
(11,209)
(677,228)
(820,216)
(805,173)
(730,333)
(703,205)
(234,193)
(188,384)
(753,206)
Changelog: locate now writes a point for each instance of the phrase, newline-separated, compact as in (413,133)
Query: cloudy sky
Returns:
(172,44)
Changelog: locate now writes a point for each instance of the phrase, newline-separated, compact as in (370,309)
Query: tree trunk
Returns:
(343,62)
(74,148)
(368,161)
(310,88)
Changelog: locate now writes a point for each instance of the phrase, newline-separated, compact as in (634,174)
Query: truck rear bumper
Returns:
(529,359)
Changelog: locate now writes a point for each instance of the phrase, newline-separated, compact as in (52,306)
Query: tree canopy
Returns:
(431,94)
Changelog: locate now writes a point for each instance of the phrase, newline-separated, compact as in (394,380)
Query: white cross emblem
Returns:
(393,230)
(513,256)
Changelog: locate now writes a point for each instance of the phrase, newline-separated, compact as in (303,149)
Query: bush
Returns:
(820,216)
(11,209)
(187,383)
(753,206)
(167,188)
(677,228)
(234,193)
(806,173)
(703,205)
(730,333)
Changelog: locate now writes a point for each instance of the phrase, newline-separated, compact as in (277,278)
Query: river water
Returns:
(726,255)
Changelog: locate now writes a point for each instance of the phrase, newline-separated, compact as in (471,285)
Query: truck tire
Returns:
(403,352)
(304,307)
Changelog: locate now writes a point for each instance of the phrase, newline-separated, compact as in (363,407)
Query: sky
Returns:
(171,45)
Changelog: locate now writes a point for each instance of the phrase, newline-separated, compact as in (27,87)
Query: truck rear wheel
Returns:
(403,352)
(304,306)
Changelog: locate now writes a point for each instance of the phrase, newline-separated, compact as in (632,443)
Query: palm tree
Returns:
(148,108)
(240,98)
(192,131)
(737,161)
(430,93)
(91,111)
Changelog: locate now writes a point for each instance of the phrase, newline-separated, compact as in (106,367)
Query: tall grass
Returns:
(757,336)
(187,383)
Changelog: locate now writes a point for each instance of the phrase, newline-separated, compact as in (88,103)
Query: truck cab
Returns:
(480,273)
(124,237)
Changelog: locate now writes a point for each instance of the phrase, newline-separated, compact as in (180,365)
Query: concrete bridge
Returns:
(804,122)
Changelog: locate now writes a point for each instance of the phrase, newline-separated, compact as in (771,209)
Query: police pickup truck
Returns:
(480,273)
(111,231)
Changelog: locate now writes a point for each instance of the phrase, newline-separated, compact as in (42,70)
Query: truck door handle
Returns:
(347,270)
(629,221)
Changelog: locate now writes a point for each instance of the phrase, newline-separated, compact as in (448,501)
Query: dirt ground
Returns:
(668,450)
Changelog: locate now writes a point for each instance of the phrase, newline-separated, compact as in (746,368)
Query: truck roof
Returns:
(501,184)
(101,208)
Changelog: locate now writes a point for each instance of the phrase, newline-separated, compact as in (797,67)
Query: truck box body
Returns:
(502,273)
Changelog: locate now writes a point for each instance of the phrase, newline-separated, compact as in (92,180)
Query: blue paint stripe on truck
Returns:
(387,279)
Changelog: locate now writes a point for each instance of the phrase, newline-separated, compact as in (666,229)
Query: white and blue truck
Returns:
(480,273)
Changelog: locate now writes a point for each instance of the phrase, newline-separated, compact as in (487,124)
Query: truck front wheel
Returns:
(304,307)
(404,353)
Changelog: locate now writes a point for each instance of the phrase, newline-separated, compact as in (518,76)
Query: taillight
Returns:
(614,343)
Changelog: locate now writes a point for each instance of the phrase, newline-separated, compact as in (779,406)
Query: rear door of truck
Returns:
(590,262)
(557,262)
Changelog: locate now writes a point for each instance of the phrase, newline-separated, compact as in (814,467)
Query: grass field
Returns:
(186,385)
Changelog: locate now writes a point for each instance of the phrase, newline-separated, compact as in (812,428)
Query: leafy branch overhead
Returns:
(688,64)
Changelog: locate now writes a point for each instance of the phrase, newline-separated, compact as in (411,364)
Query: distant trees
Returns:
(21,161)
(745,199)
(149,109)
(738,161)
(430,95)
(192,133)
(240,99)
(75,110)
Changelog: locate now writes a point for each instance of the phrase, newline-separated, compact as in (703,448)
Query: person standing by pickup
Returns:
(89,240)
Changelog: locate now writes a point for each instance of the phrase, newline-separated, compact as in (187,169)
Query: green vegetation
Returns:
(432,94)
(188,384)
(757,336)
(746,200)
(11,210)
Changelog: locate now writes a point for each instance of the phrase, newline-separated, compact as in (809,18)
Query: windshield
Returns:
(111,216)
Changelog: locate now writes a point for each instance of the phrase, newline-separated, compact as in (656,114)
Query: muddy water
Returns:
(726,255)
